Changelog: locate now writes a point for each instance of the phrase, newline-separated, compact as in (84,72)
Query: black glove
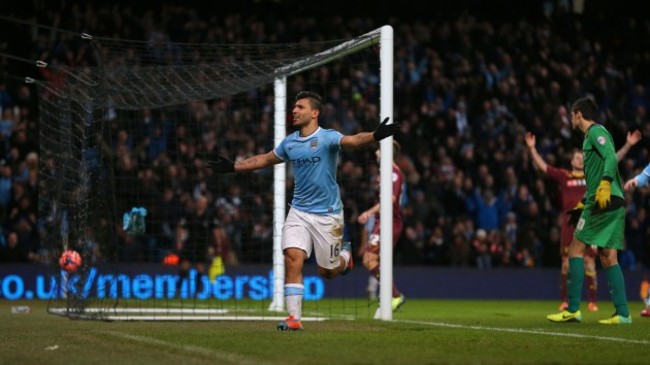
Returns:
(575,213)
(221,165)
(385,130)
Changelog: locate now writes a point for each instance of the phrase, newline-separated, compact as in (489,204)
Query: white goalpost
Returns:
(386,187)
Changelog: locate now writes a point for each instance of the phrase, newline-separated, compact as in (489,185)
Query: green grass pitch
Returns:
(423,332)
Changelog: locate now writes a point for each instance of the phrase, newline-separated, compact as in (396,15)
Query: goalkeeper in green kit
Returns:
(599,217)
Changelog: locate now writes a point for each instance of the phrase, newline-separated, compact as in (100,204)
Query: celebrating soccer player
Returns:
(315,219)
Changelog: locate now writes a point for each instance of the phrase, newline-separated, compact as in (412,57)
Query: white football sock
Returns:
(293,294)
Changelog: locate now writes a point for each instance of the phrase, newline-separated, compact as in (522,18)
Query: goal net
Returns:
(124,142)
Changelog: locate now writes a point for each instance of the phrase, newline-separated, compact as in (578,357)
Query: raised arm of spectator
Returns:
(537,159)
(631,140)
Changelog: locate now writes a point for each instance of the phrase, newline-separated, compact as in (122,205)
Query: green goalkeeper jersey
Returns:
(600,161)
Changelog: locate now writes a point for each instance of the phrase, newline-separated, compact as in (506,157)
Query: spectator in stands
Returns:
(12,252)
(196,242)
(451,89)
(6,181)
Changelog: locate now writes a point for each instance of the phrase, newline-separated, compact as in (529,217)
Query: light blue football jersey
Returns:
(314,159)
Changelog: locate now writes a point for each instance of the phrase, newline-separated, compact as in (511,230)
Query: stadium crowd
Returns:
(467,88)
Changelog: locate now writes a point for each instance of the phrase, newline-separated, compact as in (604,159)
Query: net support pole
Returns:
(279,195)
(386,175)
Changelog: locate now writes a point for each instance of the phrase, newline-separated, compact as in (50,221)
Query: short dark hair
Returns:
(315,100)
(587,106)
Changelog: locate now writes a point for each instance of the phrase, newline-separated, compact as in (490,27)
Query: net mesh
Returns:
(156,74)
(124,141)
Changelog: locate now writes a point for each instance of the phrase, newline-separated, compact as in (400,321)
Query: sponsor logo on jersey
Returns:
(301,162)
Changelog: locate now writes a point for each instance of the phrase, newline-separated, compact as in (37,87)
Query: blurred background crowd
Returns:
(469,82)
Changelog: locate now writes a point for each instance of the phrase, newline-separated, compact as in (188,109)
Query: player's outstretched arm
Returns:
(223,165)
(383,130)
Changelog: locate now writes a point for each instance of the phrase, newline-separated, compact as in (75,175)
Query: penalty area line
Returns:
(531,332)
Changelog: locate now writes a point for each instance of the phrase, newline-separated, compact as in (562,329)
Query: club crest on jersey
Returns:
(313,143)
(601,140)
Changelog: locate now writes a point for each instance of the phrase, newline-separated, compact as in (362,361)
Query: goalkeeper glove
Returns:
(575,213)
(385,130)
(604,192)
(221,165)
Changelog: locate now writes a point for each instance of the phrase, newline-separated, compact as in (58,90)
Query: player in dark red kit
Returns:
(572,186)
(371,249)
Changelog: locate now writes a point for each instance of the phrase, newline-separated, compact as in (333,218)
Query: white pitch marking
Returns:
(532,332)
(226,357)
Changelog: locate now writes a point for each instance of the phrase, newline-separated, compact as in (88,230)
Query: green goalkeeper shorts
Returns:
(603,229)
